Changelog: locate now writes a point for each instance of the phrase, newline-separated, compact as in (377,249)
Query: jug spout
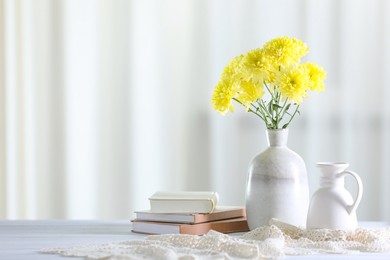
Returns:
(330,173)
(332,167)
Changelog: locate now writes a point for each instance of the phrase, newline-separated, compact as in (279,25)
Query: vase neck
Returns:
(277,137)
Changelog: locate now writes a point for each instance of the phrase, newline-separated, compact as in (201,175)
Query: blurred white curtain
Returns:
(104,102)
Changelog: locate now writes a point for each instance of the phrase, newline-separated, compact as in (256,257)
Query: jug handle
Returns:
(355,204)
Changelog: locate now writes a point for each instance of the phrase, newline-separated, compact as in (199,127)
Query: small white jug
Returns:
(332,206)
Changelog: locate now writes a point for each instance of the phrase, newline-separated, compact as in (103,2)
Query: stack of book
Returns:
(188,213)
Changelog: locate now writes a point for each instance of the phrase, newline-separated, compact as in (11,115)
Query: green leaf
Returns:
(287,107)
(276,106)
(285,126)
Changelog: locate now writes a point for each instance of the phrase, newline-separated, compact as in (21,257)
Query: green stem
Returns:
(276,109)
(249,109)
(264,109)
(281,112)
(291,118)
(259,111)
(269,91)
(282,109)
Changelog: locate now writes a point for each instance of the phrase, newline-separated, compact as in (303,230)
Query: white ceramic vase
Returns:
(332,206)
(277,185)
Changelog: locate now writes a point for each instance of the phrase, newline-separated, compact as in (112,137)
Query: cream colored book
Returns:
(183,202)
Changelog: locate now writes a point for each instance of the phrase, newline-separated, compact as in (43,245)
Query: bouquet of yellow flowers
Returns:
(269,81)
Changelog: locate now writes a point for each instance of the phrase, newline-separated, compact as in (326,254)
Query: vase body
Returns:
(332,206)
(277,185)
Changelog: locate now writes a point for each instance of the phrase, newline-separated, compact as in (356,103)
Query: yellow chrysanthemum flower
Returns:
(226,88)
(293,83)
(249,92)
(232,72)
(285,50)
(222,97)
(276,69)
(256,66)
(316,75)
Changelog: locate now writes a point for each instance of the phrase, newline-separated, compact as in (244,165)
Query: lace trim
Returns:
(273,241)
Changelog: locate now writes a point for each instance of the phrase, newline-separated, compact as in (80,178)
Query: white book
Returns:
(183,202)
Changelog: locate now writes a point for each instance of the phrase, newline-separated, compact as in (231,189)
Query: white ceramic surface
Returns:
(332,206)
(277,185)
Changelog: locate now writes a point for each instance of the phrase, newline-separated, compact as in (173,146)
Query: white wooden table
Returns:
(23,239)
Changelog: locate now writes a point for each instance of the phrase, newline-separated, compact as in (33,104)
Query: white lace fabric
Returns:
(276,240)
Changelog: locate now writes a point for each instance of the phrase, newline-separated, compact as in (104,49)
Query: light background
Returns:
(102,103)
